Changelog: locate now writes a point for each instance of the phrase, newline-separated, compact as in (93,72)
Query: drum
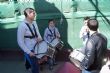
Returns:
(106,68)
(50,51)
(57,43)
(76,57)
(41,49)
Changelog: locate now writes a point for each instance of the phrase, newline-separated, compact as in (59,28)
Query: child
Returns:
(84,32)
(51,33)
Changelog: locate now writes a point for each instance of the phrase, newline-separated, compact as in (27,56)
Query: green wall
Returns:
(71,11)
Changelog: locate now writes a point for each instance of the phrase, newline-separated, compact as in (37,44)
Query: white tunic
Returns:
(49,36)
(26,44)
(84,34)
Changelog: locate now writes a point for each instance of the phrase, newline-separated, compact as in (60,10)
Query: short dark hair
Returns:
(93,24)
(27,9)
(86,18)
(50,20)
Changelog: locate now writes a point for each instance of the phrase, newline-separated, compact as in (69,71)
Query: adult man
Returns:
(95,49)
(27,36)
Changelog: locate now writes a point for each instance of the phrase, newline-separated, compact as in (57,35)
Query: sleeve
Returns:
(46,35)
(57,32)
(20,38)
(81,32)
(90,54)
(37,30)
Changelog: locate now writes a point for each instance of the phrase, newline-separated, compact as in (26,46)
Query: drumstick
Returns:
(40,53)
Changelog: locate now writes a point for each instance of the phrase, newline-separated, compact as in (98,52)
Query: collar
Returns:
(26,21)
(92,32)
(51,28)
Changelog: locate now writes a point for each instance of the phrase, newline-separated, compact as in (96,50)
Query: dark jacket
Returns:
(95,50)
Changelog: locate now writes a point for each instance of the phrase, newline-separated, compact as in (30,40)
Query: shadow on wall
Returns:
(46,11)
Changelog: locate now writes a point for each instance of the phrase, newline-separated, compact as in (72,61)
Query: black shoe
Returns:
(27,65)
(41,68)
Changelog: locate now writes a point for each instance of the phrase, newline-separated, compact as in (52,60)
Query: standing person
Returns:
(84,32)
(51,33)
(95,49)
(27,36)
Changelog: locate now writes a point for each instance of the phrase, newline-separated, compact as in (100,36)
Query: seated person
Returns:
(51,33)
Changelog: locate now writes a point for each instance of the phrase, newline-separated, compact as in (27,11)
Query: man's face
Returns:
(51,23)
(31,14)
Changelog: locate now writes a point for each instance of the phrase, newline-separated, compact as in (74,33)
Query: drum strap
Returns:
(53,34)
(33,35)
(35,31)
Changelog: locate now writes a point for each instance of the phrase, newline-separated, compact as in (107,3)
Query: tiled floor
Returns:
(17,66)
(12,62)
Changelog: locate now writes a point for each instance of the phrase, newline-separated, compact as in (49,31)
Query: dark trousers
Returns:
(27,64)
(52,61)
(33,62)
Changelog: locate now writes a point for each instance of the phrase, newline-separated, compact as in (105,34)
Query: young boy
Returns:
(84,32)
(51,33)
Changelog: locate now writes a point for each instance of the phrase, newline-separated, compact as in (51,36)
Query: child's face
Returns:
(51,23)
(85,22)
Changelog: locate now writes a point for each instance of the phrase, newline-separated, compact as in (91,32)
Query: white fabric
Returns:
(26,44)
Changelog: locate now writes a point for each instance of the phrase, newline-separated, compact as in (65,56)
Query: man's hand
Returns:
(31,54)
(39,40)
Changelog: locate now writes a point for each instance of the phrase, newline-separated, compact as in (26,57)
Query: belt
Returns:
(31,37)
